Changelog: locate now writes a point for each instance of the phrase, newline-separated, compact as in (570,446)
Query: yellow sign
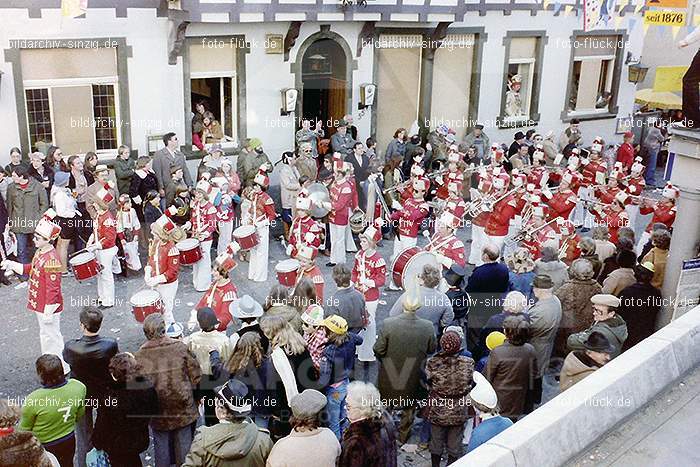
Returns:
(669,78)
(664,18)
(667,3)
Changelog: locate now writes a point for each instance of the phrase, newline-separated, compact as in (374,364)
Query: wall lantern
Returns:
(367,93)
(289,101)
(636,72)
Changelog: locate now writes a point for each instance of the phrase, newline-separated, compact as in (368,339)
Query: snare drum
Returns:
(84,265)
(287,272)
(409,264)
(246,236)
(189,249)
(144,303)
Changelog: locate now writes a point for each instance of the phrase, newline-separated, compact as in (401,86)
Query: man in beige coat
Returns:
(102,182)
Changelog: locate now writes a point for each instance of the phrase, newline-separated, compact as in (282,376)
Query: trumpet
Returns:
(477,207)
(525,234)
(399,186)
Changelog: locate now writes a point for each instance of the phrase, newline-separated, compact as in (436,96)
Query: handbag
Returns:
(97,458)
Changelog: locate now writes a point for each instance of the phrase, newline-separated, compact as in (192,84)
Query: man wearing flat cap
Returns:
(581,363)
(235,440)
(479,140)
(341,141)
(606,321)
(307,435)
(545,316)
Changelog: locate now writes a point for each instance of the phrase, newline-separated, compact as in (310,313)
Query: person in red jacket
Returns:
(305,230)
(262,212)
(501,212)
(163,267)
(455,204)
(479,221)
(663,210)
(606,194)
(103,242)
(568,241)
(626,152)
(368,274)
(562,203)
(444,244)
(341,194)
(407,218)
(221,294)
(308,269)
(203,225)
(454,174)
(613,215)
(44,294)
(543,234)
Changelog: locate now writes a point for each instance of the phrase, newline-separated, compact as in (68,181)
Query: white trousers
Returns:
(642,241)
(131,253)
(167,294)
(225,236)
(201,270)
(515,226)
(50,337)
(349,241)
(581,215)
(257,271)
(478,237)
(632,211)
(105,278)
(338,238)
(365,352)
(403,243)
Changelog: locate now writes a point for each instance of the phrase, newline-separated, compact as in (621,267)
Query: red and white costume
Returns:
(635,187)
(305,230)
(568,237)
(544,236)
(262,212)
(203,219)
(612,218)
(407,220)
(449,247)
(219,298)
(309,270)
(368,274)
(663,212)
(128,228)
(342,199)
(163,268)
(503,211)
(479,222)
(104,244)
(224,212)
(562,203)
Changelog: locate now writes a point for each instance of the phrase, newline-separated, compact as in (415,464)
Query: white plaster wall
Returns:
(155,88)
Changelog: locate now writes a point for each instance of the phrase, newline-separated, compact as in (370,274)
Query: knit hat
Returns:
(542,281)
(483,393)
(336,324)
(450,342)
(313,315)
(307,403)
(494,339)
(61,179)
(520,261)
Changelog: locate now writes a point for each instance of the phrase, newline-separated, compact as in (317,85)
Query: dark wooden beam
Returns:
(436,38)
(291,38)
(176,40)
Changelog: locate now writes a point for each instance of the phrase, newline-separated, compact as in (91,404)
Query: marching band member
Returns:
(103,242)
(593,171)
(568,240)
(501,212)
(340,204)
(562,203)
(262,212)
(308,269)
(523,198)
(417,173)
(164,263)
(305,230)
(454,174)
(220,295)
(224,204)
(635,187)
(606,194)
(479,222)
(368,274)
(444,244)
(408,217)
(664,212)
(203,225)
(128,229)
(455,203)
(45,298)
(613,215)
(538,175)
(538,233)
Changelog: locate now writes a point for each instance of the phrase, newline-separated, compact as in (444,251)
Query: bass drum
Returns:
(409,264)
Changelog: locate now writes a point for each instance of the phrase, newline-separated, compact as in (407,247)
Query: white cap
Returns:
(483,393)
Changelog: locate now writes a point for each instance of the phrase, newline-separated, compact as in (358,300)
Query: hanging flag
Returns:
(73,8)
(598,14)
(640,5)
(546,3)
(557,7)
(568,9)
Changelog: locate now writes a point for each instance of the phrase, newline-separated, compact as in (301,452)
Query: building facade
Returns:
(126,74)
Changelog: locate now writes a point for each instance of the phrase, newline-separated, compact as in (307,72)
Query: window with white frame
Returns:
(520,79)
(71,98)
(213,81)
(592,74)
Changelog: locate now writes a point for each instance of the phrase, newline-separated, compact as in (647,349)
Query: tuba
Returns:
(318,193)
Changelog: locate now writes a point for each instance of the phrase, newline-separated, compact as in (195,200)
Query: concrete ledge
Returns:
(573,420)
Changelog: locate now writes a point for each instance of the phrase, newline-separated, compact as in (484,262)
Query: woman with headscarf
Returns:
(521,271)
(661,241)
(550,265)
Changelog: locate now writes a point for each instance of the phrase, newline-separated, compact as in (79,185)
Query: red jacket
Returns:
(262,207)
(502,213)
(535,176)
(625,154)
(106,230)
(305,231)
(538,240)
(219,298)
(614,220)
(44,281)
(451,246)
(410,217)
(456,206)
(166,261)
(635,187)
(589,172)
(342,196)
(442,182)
(561,204)
(663,213)
(369,267)
(203,219)
(607,194)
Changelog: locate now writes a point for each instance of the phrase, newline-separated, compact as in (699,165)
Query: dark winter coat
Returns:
(449,381)
(175,372)
(139,188)
(511,369)
(403,345)
(639,305)
(495,323)
(576,309)
(338,362)
(22,449)
(123,417)
(614,329)
(26,206)
(123,171)
(486,286)
(369,443)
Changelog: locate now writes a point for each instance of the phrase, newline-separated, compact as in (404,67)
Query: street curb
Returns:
(575,419)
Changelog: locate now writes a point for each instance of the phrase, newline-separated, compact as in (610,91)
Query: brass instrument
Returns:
(319,195)
(397,186)
(564,246)
(477,207)
(525,234)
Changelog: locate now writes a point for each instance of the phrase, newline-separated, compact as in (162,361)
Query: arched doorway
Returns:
(324,83)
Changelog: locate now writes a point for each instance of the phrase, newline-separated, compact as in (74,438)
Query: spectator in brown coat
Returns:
(623,276)
(661,240)
(174,373)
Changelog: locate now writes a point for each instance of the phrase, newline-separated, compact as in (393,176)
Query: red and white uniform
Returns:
(497,225)
(305,231)
(443,181)
(479,221)
(166,262)
(342,197)
(449,246)
(591,171)
(537,176)
(613,219)
(262,212)
(663,213)
(203,219)
(545,235)
(456,206)
(371,267)
(410,217)
(561,204)
(219,298)
(128,228)
(105,238)
(607,194)
(313,273)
